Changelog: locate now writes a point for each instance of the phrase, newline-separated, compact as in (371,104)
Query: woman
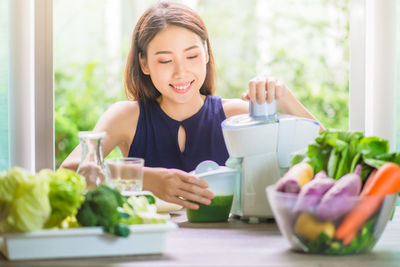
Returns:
(173,120)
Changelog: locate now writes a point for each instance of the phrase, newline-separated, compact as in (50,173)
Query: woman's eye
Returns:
(192,57)
(164,61)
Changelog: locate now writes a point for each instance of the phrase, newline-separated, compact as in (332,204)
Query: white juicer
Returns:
(260,145)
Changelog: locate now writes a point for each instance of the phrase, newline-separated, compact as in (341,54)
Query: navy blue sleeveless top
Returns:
(156,137)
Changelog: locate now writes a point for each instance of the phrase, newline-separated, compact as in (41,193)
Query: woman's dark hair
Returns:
(139,86)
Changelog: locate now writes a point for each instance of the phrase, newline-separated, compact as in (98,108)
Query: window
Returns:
(304,43)
(4,60)
(30,87)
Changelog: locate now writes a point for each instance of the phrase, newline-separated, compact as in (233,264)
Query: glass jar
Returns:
(91,165)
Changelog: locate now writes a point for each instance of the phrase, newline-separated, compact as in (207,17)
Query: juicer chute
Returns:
(260,145)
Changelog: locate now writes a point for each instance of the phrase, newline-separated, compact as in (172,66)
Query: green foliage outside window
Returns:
(82,92)
(81,97)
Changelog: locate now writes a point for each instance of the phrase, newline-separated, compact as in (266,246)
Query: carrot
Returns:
(348,239)
(353,222)
(386,181)
(368,184)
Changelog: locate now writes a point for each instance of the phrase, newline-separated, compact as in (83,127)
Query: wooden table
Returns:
(237,243)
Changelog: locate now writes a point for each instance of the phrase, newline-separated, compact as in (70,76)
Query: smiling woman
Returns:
(249,37)
(173,120)
(245,41)
(182,66)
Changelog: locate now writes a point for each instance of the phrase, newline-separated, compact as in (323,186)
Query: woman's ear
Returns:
(143,64)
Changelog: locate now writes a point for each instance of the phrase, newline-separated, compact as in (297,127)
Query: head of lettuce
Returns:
(30,202)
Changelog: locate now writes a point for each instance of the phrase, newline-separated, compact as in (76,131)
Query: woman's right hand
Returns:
(177,187)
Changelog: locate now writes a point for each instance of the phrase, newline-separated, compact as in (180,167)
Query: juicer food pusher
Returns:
(260,145)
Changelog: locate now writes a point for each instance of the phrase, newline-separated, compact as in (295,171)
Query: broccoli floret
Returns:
(85,216)
(120,230)
(100,208)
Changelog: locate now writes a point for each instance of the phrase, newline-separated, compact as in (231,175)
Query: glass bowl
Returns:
(311,231)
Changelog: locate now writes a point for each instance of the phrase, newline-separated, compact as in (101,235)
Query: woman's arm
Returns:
(119,122)
(171,185)
(265,90)
(291,105)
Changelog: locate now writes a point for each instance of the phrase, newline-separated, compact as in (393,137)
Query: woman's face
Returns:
(176,62)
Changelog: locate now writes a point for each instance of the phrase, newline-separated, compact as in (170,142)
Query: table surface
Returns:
(236,243)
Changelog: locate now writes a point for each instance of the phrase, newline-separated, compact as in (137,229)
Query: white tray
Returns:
(84,242)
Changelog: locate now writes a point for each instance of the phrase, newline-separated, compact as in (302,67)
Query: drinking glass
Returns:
(125,174)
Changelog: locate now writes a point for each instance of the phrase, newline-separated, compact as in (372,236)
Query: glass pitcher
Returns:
(91,165)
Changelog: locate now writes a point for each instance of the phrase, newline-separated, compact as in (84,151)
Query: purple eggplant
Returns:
(288,185)
(321,175)
(341,198)
(312,193)
(295,178)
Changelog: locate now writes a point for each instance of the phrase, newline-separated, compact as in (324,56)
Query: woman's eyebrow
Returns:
(169,52)
(191,47)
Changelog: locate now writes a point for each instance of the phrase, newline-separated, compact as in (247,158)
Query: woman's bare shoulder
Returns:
(123,110)
(127,106)
(234,107)
(119,115)
(120,122)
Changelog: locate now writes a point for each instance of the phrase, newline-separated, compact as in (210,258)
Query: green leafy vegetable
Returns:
(362,242)
(317,156)
(24,203)
(338,153)
(150,199)
(319,245)
(297,156)
(373,146)
(65,196)
(344,163)
(333,162)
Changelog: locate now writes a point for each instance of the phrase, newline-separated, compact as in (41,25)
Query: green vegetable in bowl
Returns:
(24,204)
(339,152)
(324,244)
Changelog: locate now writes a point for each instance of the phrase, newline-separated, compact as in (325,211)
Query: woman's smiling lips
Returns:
(182,88)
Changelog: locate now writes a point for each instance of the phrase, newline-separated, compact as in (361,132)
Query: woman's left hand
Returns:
(265,89)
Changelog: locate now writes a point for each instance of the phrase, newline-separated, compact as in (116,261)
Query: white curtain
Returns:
(373,71)
(30,123)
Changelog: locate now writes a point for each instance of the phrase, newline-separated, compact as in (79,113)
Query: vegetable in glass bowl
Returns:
(306,231)
(337,217)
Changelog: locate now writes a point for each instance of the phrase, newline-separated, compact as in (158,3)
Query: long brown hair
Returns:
(139,86)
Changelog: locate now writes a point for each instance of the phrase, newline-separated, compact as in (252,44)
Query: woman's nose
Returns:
(179,68)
